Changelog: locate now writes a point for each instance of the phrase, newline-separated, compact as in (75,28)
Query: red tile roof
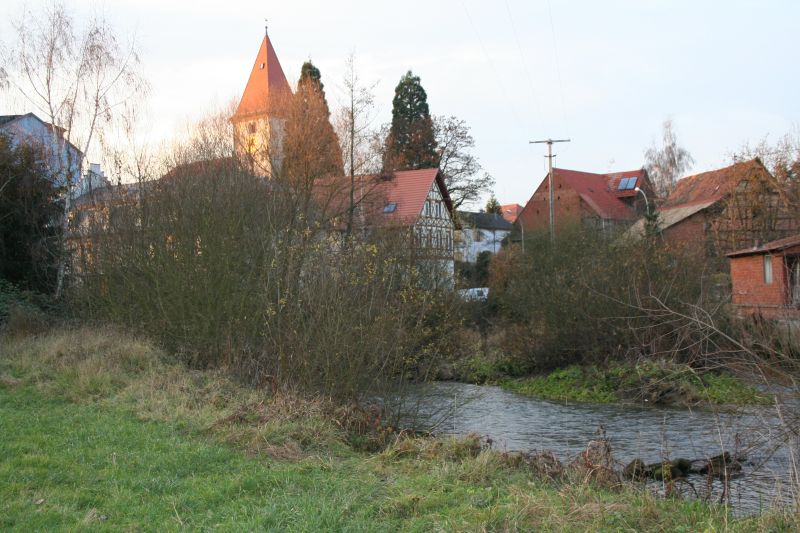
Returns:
(593,189)
(267,87)
(714,185)
(510,212)
(615,177)
(406,189)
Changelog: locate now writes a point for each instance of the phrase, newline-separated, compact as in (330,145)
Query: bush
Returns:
(587,297)
(25,312)
(232,270)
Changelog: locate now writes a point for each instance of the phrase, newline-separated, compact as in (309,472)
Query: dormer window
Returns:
(390,207)
(262,65)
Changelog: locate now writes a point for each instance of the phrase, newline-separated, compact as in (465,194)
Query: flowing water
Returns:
(515,422)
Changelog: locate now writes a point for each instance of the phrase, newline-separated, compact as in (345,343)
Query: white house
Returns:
(480,232)
(63,159)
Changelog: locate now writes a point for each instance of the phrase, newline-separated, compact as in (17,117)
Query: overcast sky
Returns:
(605,74)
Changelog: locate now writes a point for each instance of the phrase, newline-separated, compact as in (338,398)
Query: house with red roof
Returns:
(603,201)
(766,279)
(633,188)
(723,210)
(510,212)
(413,202)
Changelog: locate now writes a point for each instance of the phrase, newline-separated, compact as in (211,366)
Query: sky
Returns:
(604,74)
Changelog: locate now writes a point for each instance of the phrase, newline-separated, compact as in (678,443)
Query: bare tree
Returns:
(465,179)
(354,125)
(782,159)
(75,77)
(665,163)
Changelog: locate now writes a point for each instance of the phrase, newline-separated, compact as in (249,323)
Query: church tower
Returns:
(259,120)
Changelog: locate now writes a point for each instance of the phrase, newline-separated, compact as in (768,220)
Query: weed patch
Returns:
(654,382)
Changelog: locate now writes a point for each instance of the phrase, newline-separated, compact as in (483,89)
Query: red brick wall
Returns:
(688,231)
(568,208)
(747,278)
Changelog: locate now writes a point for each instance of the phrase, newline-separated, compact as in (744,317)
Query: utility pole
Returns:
(549,143)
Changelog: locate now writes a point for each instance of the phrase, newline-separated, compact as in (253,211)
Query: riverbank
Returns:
(655,382)
(105,431)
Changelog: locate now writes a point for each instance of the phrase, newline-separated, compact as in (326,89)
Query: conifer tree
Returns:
(30,206)
(493,206)
(311,146)
(411,143)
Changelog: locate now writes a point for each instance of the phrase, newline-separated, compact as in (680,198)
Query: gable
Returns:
(714,185)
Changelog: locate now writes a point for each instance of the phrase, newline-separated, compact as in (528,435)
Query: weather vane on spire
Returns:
(266,27)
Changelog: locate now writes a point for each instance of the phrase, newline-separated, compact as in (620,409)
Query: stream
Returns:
(651,433)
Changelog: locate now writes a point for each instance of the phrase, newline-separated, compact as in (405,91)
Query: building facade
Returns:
(480,232)
(583,199)
(766,279)
(62,158)
(718,212)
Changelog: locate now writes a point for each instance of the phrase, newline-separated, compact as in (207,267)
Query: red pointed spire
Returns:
(267,87)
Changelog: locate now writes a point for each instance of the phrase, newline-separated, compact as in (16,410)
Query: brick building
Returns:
(723,210)
(766,279)
(604,201)
(510,212)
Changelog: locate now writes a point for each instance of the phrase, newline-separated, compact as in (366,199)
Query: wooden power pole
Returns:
(549,143)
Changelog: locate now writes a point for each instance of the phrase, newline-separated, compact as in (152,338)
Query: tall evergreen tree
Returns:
(311,146)
(411,143)
(493,206)
(30,207)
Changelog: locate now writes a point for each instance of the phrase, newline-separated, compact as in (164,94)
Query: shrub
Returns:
(232,270)
(587,297)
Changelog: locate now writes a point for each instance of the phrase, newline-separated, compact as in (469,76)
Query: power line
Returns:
(497,78)
(558,67)
(524,64)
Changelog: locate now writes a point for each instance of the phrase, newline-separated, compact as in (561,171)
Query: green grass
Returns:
(132,441)
(651,381)
(68,466)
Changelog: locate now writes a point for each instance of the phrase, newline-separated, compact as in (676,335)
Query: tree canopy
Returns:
(665,163)
(311,147)
(464,177)
(30,208)
(493,206)
(411,143)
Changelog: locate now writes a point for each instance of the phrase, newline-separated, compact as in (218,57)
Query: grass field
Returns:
(104,432)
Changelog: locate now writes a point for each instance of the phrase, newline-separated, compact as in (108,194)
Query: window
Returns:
(438,209)
(768,270)
(251,128)
(427,208)
(390,207)
(794,279)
